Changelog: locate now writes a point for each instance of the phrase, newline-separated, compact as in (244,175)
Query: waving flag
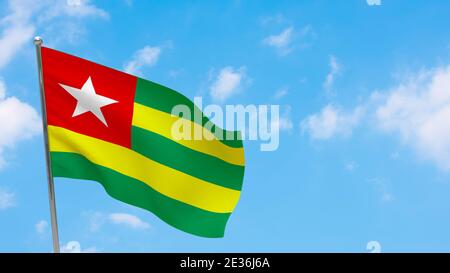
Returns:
(115,128)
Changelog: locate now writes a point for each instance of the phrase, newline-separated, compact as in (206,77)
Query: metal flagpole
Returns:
(51,189)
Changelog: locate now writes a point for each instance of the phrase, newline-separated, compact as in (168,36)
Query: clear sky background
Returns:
(364,93)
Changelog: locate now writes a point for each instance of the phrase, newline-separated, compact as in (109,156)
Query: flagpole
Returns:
(51,189)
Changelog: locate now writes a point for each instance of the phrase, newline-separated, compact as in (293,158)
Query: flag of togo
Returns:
(114,128)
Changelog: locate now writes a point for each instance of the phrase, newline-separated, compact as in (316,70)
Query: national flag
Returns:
(115,128)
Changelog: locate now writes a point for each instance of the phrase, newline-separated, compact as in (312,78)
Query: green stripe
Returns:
(164,99)
(134,192)
(186,160)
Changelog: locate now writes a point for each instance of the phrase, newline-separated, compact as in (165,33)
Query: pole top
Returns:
(38,40)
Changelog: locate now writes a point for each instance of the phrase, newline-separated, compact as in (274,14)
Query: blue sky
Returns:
(364,95)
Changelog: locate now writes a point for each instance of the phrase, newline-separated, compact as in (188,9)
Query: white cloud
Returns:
(2,90)
(11,41)
(335,70)
(80,8)
(331,121)
(19,25)
(350,166)
(418,111)
(273,19)
(16,30)
(129,220)
(382,187)
(72,8)
(74,2)
(147,56)
(128,2)
(282,41)
(227,83)
(25,124)
(289,39)
(283,91)
(373,2)
(63,21)
(284,123)
(75,247)
(175,73)
(96,219)
(394,155)
(7,199)
(41,226)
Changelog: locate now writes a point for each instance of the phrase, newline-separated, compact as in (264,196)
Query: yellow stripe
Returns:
(161,123)
(167,181)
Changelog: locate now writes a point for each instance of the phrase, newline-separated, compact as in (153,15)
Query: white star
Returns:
(88,100)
